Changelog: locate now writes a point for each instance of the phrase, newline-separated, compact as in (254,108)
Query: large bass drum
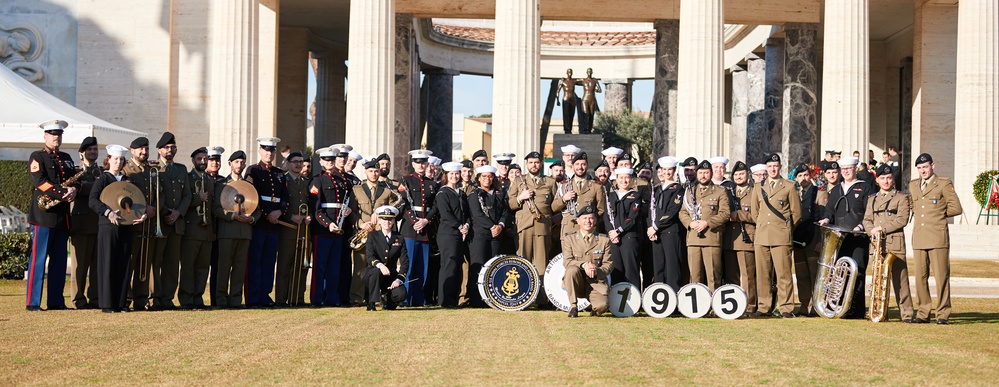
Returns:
(508,282)
(555,288)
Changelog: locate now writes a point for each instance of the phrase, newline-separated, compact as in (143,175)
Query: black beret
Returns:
(740,166)
(644,166)
(467,164)
(625,156)
(383,156)
(884,169)
(690,162)
(833,165)
(603,164)
(704,165)
(924,158)
(579,156)
(532,155)
(774,158)
(237,155)
(480,153)
(371,164)
(139,143)
(166,139)
(87,143)
(199,150)
(294,154)
(514,166)
(801,168)
(558,163)
(588,210)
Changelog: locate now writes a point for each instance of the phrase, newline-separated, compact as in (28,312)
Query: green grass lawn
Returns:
(429,345)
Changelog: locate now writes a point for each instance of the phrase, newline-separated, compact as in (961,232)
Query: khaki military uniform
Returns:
(364,202)
(83,239)
(773,241)
(588,193)
(739,257)
(932,203)
(533,234)
(196,245)
(578,249)
(174,195)
(234,245)
(289,288)
(143,243)
(890,211)
(704,255)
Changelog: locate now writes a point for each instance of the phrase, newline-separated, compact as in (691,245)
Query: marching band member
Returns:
(212,166)
(804,248)
(174,200)
(777,210)
(196,247)
(588,261)
(488,207)
(138,170)
(623,222)
(419,192)
(480,158)
(270,184)
(602,173)
(569,153)
(467,173)
(664,225)
(933,201)
(888,212)
(830,178)
(845,208)
(367,196)
(689,176)
(759,172)
(530,200)
(83,232)
(387,261)
(503,161)
(329,193)
(578,192)
(349,164)
(114,237)
(611,155)
(451,205)
(557,172)
(739,253)
(644,174)
(385,168)
(48,169)
(234,233)
(343,161)
(704,214)
(289,286)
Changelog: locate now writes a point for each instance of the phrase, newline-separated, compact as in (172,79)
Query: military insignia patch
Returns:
(314,190)
(249,179)
(34,166)
(508,283)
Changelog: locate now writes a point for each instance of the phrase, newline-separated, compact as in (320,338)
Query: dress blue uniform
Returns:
(270,184)
(328,192)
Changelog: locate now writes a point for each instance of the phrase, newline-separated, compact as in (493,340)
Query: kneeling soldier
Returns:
(388,261)
(587,263)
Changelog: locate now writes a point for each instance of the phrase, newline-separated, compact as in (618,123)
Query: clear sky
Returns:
(473,95)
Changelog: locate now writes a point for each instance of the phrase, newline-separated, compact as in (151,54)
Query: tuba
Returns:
(836,279)
(881,278)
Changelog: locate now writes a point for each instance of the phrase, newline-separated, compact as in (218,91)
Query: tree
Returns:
(627,129)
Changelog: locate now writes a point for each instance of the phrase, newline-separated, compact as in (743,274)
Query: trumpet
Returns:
(341,215)
(301,260)
(199,186)
(531,206)
(562,190)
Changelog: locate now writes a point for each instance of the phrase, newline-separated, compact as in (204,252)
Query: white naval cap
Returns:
(623,171)
(848,160)
(54,126)
(718,159)
(486,169)
(434,160)
(668,162)
(452,166)
(326,152)
(268,142)
(757,168)
(215,152)
(612,151)
(386,212)
(504,157)
(344,148)
(116,150)
(570,149)
(354,155)
(418,154)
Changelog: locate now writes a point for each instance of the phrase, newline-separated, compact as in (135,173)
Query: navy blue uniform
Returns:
(846,209)
(487,210)
(419,193)
(668,248)
(328,193)
(114,248)
(270,185)
(49,228)
(628,223)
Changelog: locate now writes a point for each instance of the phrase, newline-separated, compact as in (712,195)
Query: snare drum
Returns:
(508,282)
(555,288)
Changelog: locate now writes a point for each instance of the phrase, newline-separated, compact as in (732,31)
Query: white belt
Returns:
(418,208)
(331,205)
(270,199)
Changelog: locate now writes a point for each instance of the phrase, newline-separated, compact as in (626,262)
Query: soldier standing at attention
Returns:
(297,186)
(138,170)
(777,210)
(580,192)
(887,213)
(588,262)
(451,205)
(270,184)
(199,233)
(83,233)
(174,200)
(740,254)
(705,213)
(805,249)
(235,231)
(664,225)
(933,201)
(213,165)
(328,192)
(49,168)
(530,199)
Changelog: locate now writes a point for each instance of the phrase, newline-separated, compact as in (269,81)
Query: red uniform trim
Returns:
(31,266)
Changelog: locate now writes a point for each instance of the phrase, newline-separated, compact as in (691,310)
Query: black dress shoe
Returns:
(920,321)
(202,307)
(122,310)
(371,308)
(907,320)
(34,309)
(107,310)
(942,321)
(389,306)
(60,307)
(187,307)
(787,315)
(573,312)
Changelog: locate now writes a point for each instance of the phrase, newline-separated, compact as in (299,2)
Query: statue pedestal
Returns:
(592,144)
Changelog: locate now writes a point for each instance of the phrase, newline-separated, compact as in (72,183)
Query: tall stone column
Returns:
(664,99)
(905,119)
(976,130)
(773,105)
(801,102)
(234,96)
(846,76)
(934,65)
(293,86)
(740,95)
(700,100)
(617,95)
(516,77)
(440,111)
(331,107)
(371,52)
(407,96)
(757,145)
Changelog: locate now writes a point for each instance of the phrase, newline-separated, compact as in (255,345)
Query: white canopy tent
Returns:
(23,106)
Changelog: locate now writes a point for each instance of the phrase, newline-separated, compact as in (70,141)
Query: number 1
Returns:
(624,299)
(692,294)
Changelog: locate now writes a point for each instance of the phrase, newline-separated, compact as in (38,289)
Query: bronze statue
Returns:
(591,87)
(567,87)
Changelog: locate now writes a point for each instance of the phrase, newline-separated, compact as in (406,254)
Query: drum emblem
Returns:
(511,285)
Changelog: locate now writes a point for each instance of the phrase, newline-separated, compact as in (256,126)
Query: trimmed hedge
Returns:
(16,184)
(14,251)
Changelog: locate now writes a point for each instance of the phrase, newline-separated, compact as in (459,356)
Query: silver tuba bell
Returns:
(837,278)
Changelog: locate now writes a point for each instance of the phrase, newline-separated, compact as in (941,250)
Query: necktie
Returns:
(588,238)
(922,185)
(388,239)
(773,184)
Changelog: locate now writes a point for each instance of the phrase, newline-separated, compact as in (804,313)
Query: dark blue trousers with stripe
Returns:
(419,257)
(51,243)
(260,268)
(327,254)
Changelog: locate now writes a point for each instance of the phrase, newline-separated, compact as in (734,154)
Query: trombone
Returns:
(300,262)
(146,243)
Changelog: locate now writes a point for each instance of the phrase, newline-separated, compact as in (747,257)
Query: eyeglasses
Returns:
(169,147)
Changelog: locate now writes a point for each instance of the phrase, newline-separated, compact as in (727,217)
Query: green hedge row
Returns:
(16,184)
(15,249)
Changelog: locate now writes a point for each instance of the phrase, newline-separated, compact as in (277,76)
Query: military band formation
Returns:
(153,235)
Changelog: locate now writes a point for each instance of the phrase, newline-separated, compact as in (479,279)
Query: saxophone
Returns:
(882,277)
(836,279)
(45,202)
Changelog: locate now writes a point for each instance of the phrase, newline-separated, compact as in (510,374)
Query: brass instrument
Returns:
(199,186)
(570,207)
(881,277)
(837,278)
(360,238)
(341,215)
(146,244)
(45,202)
(531,206)
(302,253)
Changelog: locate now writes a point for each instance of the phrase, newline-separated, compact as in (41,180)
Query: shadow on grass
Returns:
(974,318)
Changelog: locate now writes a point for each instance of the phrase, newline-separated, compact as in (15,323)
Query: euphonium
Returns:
(359,240)
(836,279)
(882,277)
